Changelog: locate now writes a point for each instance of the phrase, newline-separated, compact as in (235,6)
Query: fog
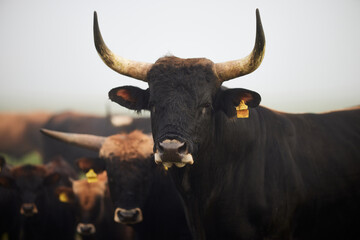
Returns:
(48,60)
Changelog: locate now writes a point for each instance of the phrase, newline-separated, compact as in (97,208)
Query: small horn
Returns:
(119,64)
(236,68)
(91,142)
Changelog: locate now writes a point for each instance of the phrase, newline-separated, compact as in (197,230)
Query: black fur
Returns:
(271,176)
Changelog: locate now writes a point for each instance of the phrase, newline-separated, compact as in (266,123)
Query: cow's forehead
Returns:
(179,71)
(88,192)
(183,62)
(127,146)
(29,170)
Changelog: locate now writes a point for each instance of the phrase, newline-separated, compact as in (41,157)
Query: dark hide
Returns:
(81,123)
(9,203)
(60,216)
(139,183)
(35,186)
(271,176)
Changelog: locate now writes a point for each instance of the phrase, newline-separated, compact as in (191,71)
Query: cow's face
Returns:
(126,159)
(32,182)
(88,199)
(129,183)
(184,96)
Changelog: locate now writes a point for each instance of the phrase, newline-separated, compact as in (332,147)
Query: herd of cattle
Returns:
(209,163)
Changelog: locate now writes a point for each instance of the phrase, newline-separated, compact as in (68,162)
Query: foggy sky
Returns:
(48,60)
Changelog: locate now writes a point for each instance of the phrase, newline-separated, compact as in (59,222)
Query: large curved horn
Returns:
(87,141)
(119,64)
(236,68)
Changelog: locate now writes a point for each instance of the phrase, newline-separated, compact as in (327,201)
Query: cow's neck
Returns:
(234,163)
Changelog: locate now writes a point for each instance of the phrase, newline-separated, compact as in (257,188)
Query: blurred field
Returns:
(30,158)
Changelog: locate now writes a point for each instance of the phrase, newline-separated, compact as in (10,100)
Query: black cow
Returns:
(85,123)
(42,215)
(269,175)
(9,204)
(142,192)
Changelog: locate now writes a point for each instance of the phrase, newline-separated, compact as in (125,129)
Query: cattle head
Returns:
(184,96)
(126,159)
(88,198)
(31,182)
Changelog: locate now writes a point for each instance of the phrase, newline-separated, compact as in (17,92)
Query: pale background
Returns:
(48,60)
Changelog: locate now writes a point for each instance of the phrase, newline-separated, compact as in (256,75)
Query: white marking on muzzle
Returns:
(117,219)
(82,226)
(185,159)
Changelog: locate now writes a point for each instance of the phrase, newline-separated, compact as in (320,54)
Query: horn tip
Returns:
(47,132)
(43,130)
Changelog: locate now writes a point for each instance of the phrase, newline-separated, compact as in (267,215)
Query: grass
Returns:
(30,158)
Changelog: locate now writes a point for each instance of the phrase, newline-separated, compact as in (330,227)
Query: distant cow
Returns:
(245,171)
(19,132)
(90,124)
(142,192)
(42,216)
(94,209)
(9,204)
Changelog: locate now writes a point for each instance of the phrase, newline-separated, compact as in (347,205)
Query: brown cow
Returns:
(94,209)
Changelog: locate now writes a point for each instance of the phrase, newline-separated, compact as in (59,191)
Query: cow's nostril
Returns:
(183,149)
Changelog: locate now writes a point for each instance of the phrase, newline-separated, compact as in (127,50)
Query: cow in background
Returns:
(94,209)
(142,192)
(19,132)
(9,204)
(42,216)
(89,124)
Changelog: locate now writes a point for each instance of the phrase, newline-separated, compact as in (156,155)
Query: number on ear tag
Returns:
(91,176)
(242,111)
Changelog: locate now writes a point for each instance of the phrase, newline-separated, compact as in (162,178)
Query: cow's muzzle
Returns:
(85,228)
(28,209)
(171,152)
(131,216)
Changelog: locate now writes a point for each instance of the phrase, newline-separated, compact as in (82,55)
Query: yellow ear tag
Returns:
(242,111)
(91,176)
(166,168)
(63,197)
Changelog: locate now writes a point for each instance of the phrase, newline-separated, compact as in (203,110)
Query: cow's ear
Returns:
(65,194)
(7,182)
(85,164)
(130,97)
(52,179)
(229,99)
